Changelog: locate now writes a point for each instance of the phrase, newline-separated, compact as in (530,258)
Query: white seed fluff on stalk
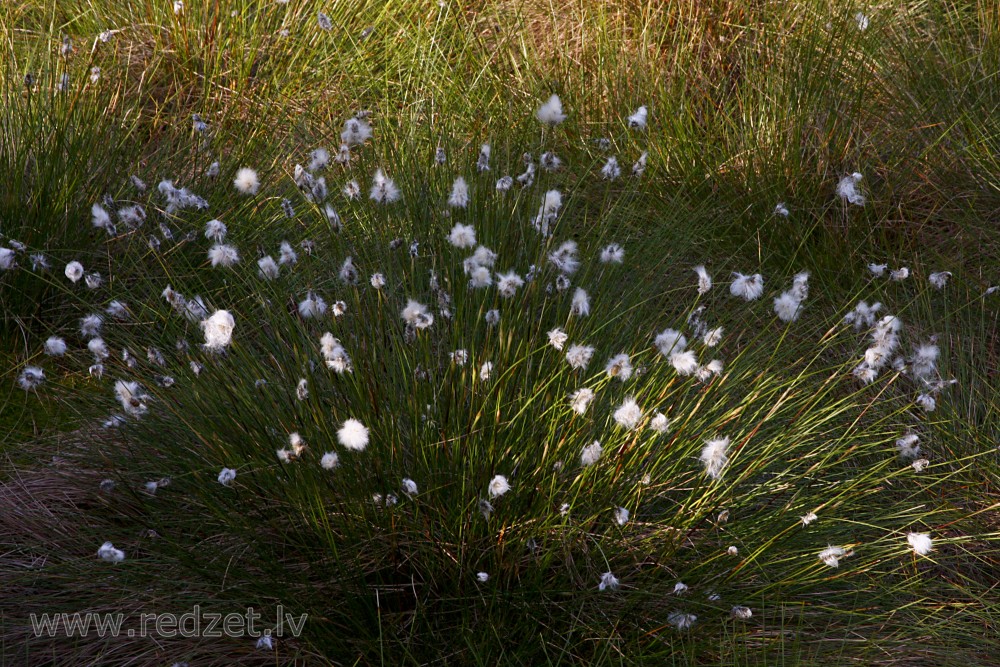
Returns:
(685,363)
(639,118)
(7,259)
(417,315)
(329,461)
(74,271)
(312,306)
(223,255)
(482,577)
(847,189)
(334,354)
(302,389)
(786,307)
(131,396)
(98,348)
(246,181)
(878,270)
(747,287)
(712,337)
(101,219)
(923,366)
(863,315)
(459,197)
(909,446)
(551,112)
(356,132)
(90,326)
(498,486)
(117,310)
(267,268)
(558,338)
(409,487)
(659,423)
(714,455)
(227,476)
(578,356)
(609,582)
(462,236)
(384,190)
(580,400)
(808,518)
(899,274)
(591,454)
(318,159)
(483,161)
(681,621)
(921,543)
(110,554)
(781,209)
(704,280)
(581,303)
(612,254)
(628,414)
(740,613)
(939,279)
(621,516)
(485,371)
(639,167)
(619,366)
(287,254)
(215,230)
(480,277)
(353,435)
(55,346)
(831,556)
(610,171)
(670,341)
(508,284)
(31,377)
(218,330)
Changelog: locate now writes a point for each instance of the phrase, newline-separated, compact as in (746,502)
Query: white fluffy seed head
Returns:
(591,454)
(580,400)
(329,461)
(459,197)
(628,414)
(462,236)
(747,287)
(218,330)
(831,556)
(921,543)
(551,112)
(498,486)
(110,554)
(714,455)
(353,435)
(74,271)
(246,181)
(55,346)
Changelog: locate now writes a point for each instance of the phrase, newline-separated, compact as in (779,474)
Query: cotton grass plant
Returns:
(429,487)
(369,422)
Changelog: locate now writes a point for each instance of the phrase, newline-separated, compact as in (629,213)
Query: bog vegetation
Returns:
(503,333)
